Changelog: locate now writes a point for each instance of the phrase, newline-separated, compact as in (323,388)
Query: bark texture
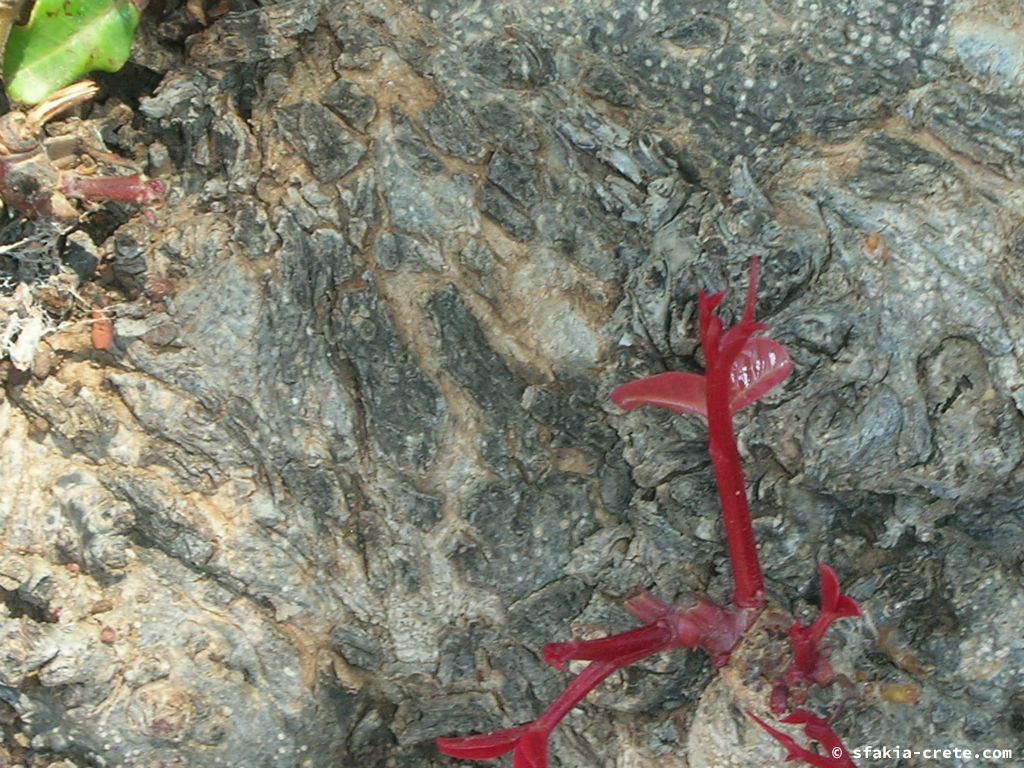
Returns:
(351,461)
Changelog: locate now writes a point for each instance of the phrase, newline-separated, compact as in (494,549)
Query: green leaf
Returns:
(63,41)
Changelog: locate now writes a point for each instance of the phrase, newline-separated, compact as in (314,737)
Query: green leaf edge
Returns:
(40,58)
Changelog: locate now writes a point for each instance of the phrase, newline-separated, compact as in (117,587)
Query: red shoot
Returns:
(834,605)
(124,189)
(741,368)
(810,662)
(817,730)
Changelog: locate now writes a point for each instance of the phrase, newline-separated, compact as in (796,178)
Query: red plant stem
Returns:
(739,529)
(127,189)
(595,673)
(725,455)
(648,639)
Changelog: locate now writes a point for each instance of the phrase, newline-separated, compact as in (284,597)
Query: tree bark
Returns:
(351,461)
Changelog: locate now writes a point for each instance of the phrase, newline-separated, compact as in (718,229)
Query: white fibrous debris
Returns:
(23,324)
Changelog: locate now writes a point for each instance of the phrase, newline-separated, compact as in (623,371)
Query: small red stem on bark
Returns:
(720,352)
(125,189)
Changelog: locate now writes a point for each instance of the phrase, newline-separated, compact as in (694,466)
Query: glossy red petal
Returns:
(847,607)
(483,746)
(833,601)
(760,366)
(829,588)
(676,391)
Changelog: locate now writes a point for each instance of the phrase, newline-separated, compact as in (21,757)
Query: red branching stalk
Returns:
(530,742)
(705,625)
(810,661)
(834,605)
(741,368)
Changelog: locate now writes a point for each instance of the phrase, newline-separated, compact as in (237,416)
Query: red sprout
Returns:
(810,661)
(741,369)
(834,605)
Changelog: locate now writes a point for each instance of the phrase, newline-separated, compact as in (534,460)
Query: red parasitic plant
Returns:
(741,368)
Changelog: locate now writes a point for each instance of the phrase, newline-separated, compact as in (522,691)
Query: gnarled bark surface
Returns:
(352,462)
